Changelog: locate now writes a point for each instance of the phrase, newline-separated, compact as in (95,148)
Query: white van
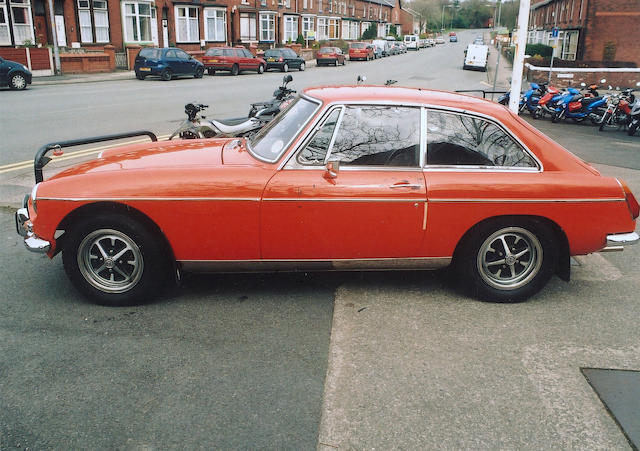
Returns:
(412,41)
(475,57)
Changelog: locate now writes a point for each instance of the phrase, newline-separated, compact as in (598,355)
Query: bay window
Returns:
(290,28)
(215,24)
(334,30)
(187,29)
(307,25)
(22,23)
(248,27)
(323,29)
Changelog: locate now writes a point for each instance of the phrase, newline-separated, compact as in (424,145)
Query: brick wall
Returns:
(615,21)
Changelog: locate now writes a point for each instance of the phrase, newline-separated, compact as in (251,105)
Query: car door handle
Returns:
(405,184)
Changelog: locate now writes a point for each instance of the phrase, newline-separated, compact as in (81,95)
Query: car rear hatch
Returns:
(148,58)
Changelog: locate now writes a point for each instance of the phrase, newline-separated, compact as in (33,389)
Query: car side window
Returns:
(315,152)
(170,54)
(227,52)
(373,135)
(461,140)
(247,53)
(182,55)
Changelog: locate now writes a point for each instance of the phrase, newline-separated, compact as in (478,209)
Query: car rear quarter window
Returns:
(150,53)
(228,52)
(214,52)
(462,140)
(375,135)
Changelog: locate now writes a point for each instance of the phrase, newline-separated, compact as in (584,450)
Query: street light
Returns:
(443,7)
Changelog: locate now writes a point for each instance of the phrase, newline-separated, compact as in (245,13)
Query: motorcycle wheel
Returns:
(604,121)
(578,119)
(536,114)
(632,128)
(555,117)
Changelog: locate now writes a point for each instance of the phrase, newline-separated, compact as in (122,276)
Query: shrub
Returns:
(371,32)
(300,39)
(538,49)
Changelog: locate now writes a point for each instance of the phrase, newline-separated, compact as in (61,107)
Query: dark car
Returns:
(14,75)
(166,63)
(283,59)
(232,59)
(330,55)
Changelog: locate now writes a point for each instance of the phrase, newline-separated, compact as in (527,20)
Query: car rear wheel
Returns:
(139,76)
(18,82)
(115,260)
(507,260)
(302,66)
(166,75)
(235,70)
(261,69)
(199,72)
(344,61)
(285,67)
(211,71)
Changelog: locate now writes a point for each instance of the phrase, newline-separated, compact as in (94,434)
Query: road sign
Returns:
(554,32)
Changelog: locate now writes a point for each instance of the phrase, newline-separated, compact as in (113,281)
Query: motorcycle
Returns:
(618,112)
(580,107)
(198,126)
(528,100)
(635,118)
(548,102)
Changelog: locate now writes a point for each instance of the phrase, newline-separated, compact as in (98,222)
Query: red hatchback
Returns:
(330,55)
(361,51)
(232,59)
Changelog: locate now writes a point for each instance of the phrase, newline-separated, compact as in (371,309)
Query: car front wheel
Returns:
(199,72)
(18,82)
(285,67)
(235,70)
(115,260)
(261,69)
(507,260)
(302,66)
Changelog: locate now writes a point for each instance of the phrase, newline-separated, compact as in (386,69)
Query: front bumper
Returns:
(617,241)
(24,227)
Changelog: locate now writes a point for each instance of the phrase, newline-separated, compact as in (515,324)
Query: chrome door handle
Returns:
(405,184)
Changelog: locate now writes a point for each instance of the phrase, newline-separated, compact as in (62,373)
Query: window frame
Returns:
(137,16)
(271,29)
(188,22)
(288,34)
(215,19)
(92,27)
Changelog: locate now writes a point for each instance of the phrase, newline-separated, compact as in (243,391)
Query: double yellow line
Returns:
(71,155)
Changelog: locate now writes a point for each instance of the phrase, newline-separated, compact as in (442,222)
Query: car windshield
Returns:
(358,45)
(270,142)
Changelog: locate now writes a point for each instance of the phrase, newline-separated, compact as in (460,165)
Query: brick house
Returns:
(193,24)
(589,30)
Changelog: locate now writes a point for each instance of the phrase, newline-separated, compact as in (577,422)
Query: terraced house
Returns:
(192,24)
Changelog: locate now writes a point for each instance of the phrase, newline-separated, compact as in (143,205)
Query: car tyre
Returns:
(344,61)
(166,75)
(211,71)
(199,73)
(18,81)
(507,259)
(302,67)
(235,70)
(261,68)
(134,276)
(285,67)
(139,76)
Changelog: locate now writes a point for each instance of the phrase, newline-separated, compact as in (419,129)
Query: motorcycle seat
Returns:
(230,122)
(589,100)
(235,128)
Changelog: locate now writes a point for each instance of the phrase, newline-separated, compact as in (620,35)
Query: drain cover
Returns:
(619,391)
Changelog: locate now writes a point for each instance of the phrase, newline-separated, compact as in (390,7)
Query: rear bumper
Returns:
(326,60)
(24,227)
(617,241)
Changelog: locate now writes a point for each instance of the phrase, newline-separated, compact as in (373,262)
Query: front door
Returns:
(154,27)
(372,206)
(60,31)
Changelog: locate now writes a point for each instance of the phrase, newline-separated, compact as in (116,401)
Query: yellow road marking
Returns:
(70,155)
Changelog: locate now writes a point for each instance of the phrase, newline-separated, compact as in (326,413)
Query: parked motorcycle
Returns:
(618,112)
(528,100)
(579,107)
(198,126)
(547,103)
(635,118)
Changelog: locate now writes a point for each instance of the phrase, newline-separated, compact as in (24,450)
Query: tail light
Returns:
(281,59)
(632,203)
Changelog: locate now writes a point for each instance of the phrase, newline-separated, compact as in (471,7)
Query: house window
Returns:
(334,30)
(290,28)
(319,6)
(137,21)
(100,24)
(21,18)
(305,4)
(267,27)
(307,25)
(215,28)
(5,37)
(364,27)
(353,30)
(248,27)
(187,29)
(323,29)
(345,29)
(570,45)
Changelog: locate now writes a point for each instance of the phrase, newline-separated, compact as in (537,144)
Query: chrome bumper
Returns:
(25,229)
(616,242)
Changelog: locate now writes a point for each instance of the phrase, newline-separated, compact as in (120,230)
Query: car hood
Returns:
(178,154)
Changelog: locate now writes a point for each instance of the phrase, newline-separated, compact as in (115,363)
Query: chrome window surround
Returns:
(294,163)
(295,136)
(423,142)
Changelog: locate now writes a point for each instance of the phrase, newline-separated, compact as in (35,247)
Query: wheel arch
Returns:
(97,208)
(563,269)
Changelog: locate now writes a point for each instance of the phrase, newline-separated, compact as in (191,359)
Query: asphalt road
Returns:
(381,360)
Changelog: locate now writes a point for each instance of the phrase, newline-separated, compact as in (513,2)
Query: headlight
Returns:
(34,191)
(25,68)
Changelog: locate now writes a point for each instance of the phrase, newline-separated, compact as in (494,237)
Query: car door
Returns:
(171,57)
(250,60)
(186,62)
(4,70)
(371,205)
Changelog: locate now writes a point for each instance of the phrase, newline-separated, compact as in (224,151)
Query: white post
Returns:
(54,36)
(518,60)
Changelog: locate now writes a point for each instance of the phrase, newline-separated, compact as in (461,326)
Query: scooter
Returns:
(547,102)
(579,107)
(198,126)
(528,100)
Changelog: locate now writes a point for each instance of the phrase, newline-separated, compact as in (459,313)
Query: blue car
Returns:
(166,63)
(14,75)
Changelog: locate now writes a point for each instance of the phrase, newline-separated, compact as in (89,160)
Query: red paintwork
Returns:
(214,201)
(365,53)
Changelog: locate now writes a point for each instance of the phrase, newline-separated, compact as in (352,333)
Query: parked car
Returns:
(359,177)
(361,51)
(384,44)
(439,40)
(14,75)
(330,55)
(233,60)
(378,52)
(283,59)
(476,57)
(167,63)
(412,41)
(453,38)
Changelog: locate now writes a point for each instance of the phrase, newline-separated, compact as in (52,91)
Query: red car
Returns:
(346,178)
(361,51)
(232,59)
(330,55)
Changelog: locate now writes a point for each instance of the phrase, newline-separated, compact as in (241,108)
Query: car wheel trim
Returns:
(302,66)
(110,261)
(18,81)
(509,258)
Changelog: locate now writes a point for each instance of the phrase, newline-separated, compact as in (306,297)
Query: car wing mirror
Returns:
(332,169)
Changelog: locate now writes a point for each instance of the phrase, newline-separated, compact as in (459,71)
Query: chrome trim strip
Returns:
(145,199)
(290,265)
(344,199)
(577,200)
(497,169)
(423,136)
(629,239)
